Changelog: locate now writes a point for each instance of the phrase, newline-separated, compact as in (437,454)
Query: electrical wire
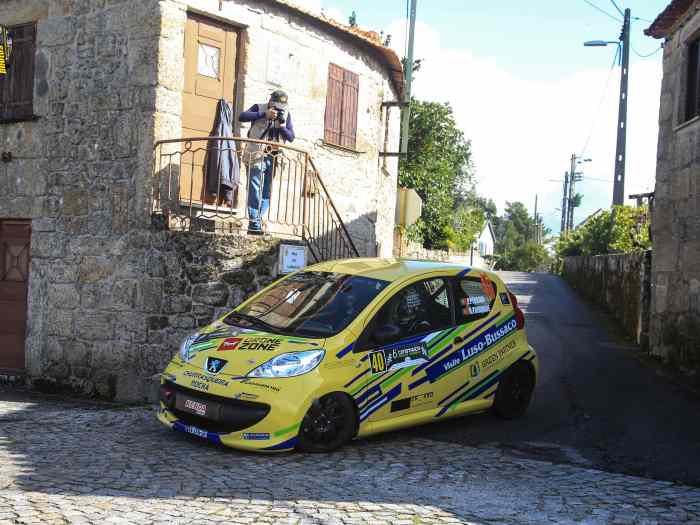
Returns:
(603,96)
(617,7)
(602,11)
(643,19)
(647,55)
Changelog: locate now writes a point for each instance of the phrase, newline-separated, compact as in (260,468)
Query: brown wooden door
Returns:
(210,66)
(14,277)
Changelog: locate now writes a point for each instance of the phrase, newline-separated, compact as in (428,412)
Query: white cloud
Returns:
(523,132)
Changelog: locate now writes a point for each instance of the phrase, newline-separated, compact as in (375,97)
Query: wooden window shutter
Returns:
(17,86)
(348,128)
(334,101)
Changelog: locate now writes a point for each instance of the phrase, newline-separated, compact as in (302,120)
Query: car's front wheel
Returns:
(515,391)
(328,425)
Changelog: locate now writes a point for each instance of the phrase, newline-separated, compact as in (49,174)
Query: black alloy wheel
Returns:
(515,391)
(328,425)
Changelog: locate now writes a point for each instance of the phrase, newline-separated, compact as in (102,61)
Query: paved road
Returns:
(76,463)
(595,405)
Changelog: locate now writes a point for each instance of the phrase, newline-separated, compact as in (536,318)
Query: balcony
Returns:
(190,192)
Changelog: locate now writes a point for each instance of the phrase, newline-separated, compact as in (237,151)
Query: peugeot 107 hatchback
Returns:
(351,348)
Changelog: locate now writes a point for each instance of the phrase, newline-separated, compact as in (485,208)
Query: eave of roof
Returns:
(664,24)
(367,39)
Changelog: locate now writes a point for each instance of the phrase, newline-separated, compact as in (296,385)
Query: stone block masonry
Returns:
(620,283)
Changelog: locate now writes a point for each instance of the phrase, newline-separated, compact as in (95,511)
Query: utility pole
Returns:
(564,206)
(620,153)
(406,113)
(572,181)
(537,228)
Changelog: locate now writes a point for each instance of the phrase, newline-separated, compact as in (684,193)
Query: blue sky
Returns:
(526,91)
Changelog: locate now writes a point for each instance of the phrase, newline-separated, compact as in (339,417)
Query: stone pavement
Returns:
(64,462)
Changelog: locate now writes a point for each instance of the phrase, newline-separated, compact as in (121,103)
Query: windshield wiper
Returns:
(254,321)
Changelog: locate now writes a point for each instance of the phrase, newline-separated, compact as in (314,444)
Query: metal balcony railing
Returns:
(192,197)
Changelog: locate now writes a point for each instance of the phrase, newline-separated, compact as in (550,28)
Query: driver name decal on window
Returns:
(399,357)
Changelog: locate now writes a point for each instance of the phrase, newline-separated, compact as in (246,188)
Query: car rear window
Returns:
(475,298)
(312,304)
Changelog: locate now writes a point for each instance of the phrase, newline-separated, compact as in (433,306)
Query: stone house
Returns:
(111,250)
(675,309)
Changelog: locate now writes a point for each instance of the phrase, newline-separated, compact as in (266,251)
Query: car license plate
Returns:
(197,407)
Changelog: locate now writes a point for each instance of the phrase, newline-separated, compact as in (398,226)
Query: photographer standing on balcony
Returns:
(271,121)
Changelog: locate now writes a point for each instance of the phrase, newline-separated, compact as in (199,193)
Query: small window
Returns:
(340,127)
(692,93)
(208,61)
(17,85)
(475,298)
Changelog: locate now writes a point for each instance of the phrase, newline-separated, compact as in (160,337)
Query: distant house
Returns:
(675,224)
(484,247)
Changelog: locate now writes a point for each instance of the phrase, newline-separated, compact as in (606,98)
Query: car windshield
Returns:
(309,304)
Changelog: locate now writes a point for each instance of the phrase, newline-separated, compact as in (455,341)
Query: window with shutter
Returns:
(17,86)
(341,107)
(692,93)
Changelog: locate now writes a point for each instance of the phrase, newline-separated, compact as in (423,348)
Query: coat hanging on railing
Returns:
(222,170)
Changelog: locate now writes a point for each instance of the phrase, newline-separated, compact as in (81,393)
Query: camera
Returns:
(281,117)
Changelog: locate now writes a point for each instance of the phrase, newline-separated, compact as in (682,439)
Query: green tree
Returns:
(516,248)
(438,166)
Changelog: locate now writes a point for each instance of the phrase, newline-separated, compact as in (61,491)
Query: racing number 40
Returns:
(378,362)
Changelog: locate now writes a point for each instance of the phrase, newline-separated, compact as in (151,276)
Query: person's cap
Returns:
(279,97)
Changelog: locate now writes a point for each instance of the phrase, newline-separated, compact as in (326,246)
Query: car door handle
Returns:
(458,339)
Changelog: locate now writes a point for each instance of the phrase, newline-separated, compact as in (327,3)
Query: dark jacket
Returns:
(222,163)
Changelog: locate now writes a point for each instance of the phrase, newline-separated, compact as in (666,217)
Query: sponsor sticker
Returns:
(230,343)
(5,49)
(399,357)
(267,344)
(200,385)
(497,355)
(504,298)
(272,388)
(245,395)
(475,369)
(206,379)
(196,431)
(256,436)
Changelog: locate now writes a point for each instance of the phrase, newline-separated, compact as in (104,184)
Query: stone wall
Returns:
(675,318)
(620,283)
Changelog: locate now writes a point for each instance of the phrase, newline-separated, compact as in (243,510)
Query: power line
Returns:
(642,19)
(602,11)
(603,96)
(647,55)
(617,7)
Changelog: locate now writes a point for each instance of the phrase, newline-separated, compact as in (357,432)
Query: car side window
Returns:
(418,308)
(475,297)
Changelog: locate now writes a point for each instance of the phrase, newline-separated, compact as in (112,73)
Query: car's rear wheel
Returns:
(515,391)
(328,425)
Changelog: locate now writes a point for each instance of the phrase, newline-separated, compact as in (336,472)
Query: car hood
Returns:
(221,349)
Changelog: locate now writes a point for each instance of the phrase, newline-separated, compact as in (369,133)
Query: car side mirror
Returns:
(386,333)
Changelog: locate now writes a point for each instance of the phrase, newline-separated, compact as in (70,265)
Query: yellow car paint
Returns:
(456,373)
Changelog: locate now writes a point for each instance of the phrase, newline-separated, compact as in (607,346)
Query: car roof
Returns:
(392,269)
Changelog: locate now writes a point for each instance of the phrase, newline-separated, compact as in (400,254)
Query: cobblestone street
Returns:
(62,462)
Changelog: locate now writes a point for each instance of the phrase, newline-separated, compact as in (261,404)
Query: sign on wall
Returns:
(292,258)
(5,49)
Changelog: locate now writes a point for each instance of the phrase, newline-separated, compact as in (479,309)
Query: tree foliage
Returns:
(516,248)
(438,166)
(621,230)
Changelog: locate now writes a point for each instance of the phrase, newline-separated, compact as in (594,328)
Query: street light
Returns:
(620,150)
(600,43)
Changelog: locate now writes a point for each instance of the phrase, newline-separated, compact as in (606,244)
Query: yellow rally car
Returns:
(352,348)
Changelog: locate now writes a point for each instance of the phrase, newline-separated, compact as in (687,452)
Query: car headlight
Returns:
(184,352)
(289,365)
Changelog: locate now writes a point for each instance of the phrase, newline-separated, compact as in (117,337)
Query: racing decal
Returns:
(199,385)
(255,436)
(389,396)
(230,343)
(245,396)
(472,348)
(285,445)
(504,298)
(497,355)
(414,401)
(345,351)
(378,362)
(365,371)
(213,437)
(287,430)
(206,379)
(267,344)
(214,365)
(195,406)
(398,357)
(475,369)
(266,386)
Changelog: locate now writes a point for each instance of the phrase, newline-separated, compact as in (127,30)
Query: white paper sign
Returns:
(292,258)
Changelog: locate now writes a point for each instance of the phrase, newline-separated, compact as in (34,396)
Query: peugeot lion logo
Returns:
(215,365)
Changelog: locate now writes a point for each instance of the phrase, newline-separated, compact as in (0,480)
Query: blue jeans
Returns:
(259,190)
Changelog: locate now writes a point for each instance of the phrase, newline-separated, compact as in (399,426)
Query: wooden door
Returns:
(14,277)
(210,66)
